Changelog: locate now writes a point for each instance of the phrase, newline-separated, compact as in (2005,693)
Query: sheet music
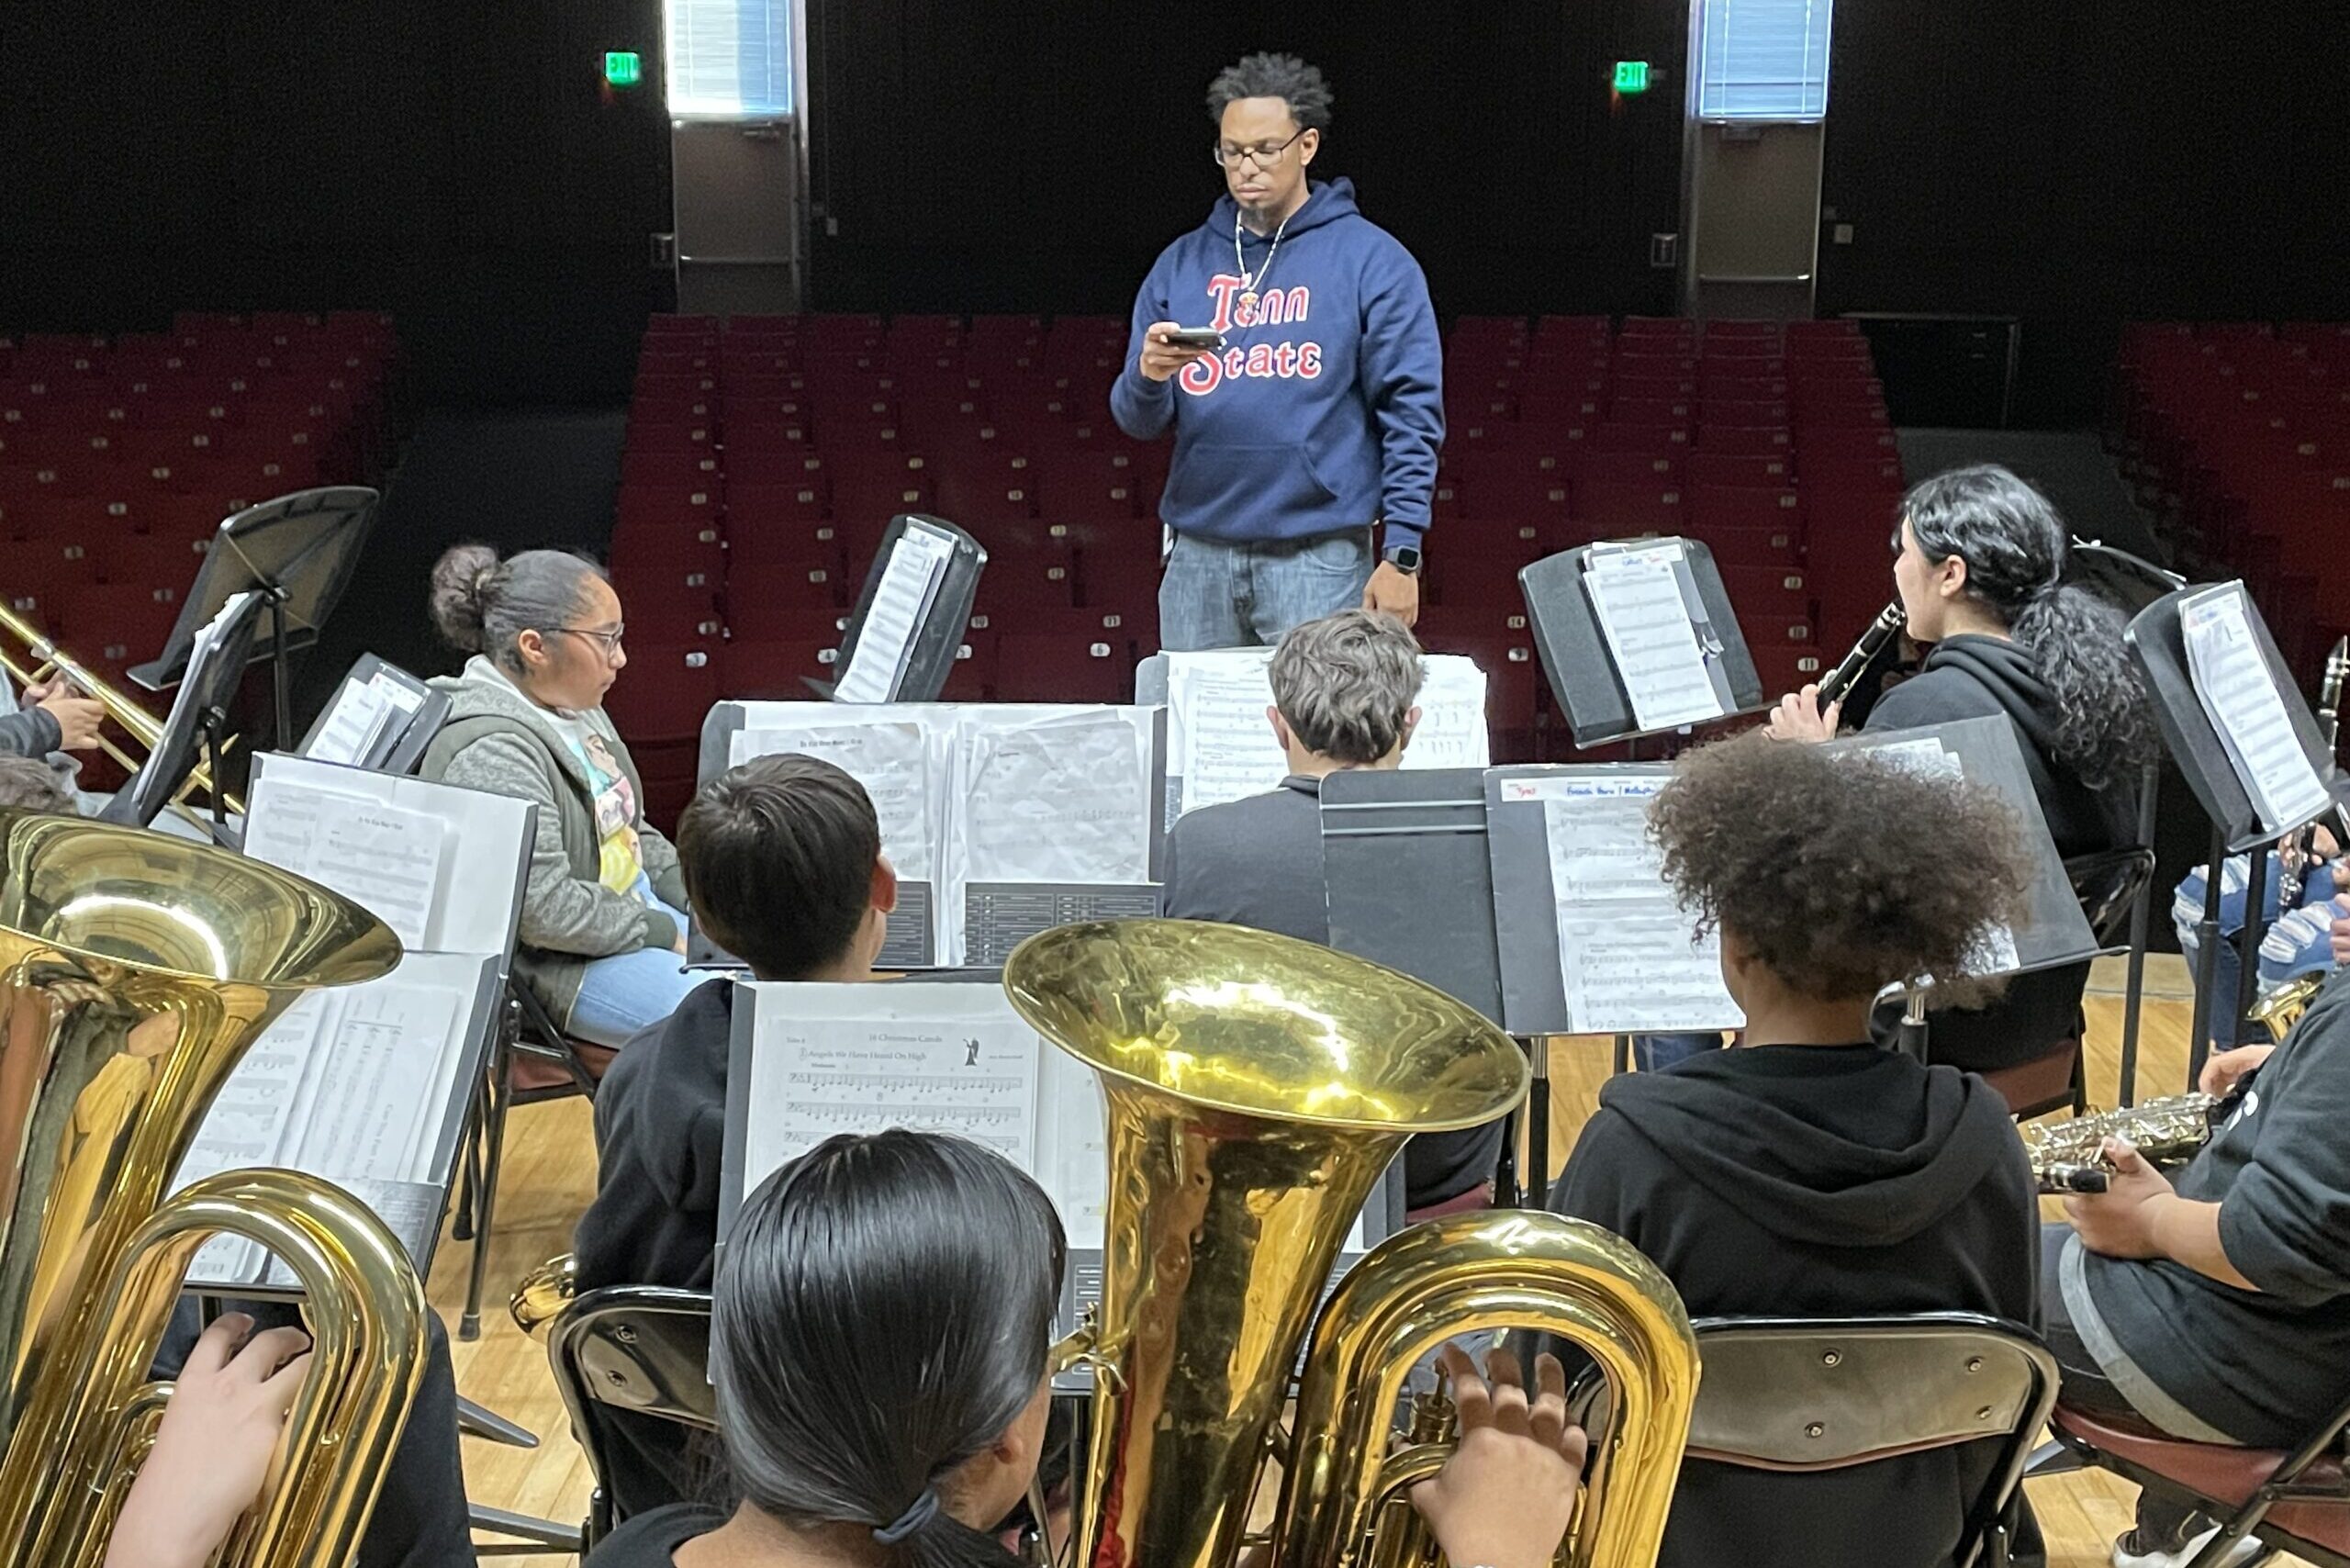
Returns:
(2240,697)
(403,698)
(1628,957)
(354,726)
(1636,596)
(1073,1143)
(1062,800)
(376,854)
(1993,952)
(891,758)
(409,1210)
(909,586)
(840,1059)
(1222,747)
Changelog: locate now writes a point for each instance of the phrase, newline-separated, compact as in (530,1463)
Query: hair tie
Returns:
(919,1512)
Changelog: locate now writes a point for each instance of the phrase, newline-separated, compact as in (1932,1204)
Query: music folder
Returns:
(1638,637)
(382,718)
(901,641)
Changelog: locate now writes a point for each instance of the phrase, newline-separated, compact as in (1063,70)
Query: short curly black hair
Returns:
(1842,873)
(1283,76)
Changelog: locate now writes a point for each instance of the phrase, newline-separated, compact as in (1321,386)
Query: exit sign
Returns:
(624,69)
(1631,75)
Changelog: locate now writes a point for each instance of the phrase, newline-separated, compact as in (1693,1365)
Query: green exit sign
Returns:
(1631,75)
(624,69)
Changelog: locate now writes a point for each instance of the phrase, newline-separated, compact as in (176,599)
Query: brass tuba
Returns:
(1257,1088)
(135,969)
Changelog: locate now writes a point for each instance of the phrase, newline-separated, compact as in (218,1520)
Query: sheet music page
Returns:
(1626,954)
(1993,952)
(1222,747)
(248,1124)
(1453,731)
(1062,800)
(1636,594)
(288,819)
(410,1210)
(354,725)
(909,586)
(2240,697)
(379,855)
(377,1077)
(890,757)
(399,694)
(844,1058)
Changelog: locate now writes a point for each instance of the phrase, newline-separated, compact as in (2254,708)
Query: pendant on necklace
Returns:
(1248,301)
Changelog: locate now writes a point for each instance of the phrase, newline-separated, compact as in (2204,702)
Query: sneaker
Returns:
(2141,1550)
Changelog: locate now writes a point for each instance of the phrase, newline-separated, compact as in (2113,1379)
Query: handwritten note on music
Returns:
(1637,597)
(1221,744)
(1628,957)
(859,1059)
(2240,697)
(893,758)
(909,587)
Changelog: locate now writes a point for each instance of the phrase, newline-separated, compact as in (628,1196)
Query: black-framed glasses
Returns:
(1263,154)
(610,639)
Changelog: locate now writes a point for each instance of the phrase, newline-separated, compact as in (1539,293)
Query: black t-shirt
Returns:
(651,1540)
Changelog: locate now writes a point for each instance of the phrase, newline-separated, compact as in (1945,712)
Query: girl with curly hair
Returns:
(1811,1172)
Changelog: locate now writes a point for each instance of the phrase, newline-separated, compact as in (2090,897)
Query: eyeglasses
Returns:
(1263,154)
(610,639)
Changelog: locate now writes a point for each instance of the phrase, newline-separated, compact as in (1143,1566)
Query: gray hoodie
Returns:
(498,740)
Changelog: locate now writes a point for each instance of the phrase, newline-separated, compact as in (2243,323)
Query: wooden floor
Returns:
(550,1173)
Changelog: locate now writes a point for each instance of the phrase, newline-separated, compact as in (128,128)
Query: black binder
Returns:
(929,658)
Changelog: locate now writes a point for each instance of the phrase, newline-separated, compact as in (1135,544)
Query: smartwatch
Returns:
(1405,558)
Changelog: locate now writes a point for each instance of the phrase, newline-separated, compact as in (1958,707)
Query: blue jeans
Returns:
(627,993)
(1221,595)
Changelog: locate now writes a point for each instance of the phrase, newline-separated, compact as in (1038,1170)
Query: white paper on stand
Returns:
(840,1058)
(908,587)
(894,758)
(354,725)
(379,855)
(2240,698)
(1627,956)
(1061,800)
(1636,598)
(1993,952)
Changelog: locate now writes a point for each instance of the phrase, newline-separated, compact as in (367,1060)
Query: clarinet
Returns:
(2298,853)
(1883,630)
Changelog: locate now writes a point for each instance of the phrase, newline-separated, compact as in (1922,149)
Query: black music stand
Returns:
(1582,671)
(199,718)
(401,746)
(2155,636)
(937,631)
(298,553)
(2130,582)
(1410,885)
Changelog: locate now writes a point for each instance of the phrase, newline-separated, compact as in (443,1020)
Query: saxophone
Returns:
(2069,1156)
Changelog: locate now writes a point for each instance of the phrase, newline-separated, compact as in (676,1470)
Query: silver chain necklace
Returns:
(1248,285)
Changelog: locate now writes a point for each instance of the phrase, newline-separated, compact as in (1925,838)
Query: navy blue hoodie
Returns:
(1325,408)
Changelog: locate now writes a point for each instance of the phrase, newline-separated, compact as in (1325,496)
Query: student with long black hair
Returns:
(879,1342)
(1979,563)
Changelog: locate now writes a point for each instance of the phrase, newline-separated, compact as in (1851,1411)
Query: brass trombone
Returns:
(139,723)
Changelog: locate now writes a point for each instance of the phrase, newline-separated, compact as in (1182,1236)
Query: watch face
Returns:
(1404,558)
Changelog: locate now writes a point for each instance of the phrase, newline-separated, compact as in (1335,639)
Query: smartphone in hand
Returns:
(1196,338)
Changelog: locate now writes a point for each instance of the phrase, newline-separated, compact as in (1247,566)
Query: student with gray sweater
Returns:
(603,930)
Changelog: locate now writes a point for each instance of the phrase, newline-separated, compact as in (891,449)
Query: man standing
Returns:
(1291,345)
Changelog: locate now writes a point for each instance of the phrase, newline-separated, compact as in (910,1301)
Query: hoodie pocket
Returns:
(1238,490)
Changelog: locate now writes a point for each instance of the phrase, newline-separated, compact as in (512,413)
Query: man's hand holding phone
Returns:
(1168,346)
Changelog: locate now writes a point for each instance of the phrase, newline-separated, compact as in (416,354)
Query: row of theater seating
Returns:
(119,456)
(765,457)
(2237,436)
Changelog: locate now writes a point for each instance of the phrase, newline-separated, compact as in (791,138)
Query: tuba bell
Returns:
(1257,1087)
(135,969)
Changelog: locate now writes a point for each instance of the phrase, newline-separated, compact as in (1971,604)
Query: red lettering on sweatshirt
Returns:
(1257,362)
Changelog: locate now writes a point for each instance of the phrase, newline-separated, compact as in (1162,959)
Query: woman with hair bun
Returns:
(1979,563)
(879,1338)
(603,930)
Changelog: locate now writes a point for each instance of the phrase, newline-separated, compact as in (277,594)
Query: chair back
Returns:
(641,1348)
(2108,884)
(1803,1395)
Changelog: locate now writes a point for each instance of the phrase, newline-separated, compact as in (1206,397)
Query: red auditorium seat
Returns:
(798,466)
(1591,466)
(1737,506)
(1620,511)
(775,603)
(1777,549)
(1779,592)
(117,624)
(1015,583)
(660,699)
(149,560)
(778,670)
(664,547)
(751,507)
(670,470)
(660,506)
(1729,468)
(987,492)
(1478,582)
(1052,668)
(1739,440)
(1833,472)
(972,677)
(1867,441)
(669,607)
(769,540)
(1654,440)
(867,486)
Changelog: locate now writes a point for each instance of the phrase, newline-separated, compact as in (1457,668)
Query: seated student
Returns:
(2215,1305)
(2293,943)
(1809,1172)
(782,857)
(878,1347)
(1344,689)
(603,932)
(28,784)
(47,720)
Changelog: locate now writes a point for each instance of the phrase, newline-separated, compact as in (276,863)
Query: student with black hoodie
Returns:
(782,861)
(1979,560)
(1811,1172)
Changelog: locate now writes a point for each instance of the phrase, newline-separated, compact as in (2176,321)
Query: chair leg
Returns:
(461,1221)
(2053,1458)
(494,1150)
